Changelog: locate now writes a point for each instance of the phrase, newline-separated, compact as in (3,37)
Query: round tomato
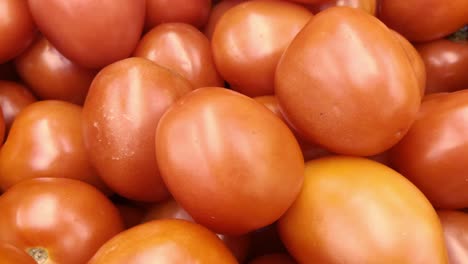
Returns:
(455,225)
(12,255)
(249,39)
(369,6)
(273,259)
(120,116)
(164,241)
(57,220)
(194,12)
(355,99)
(242,160)
(216,13)
(13,98)
(355,210)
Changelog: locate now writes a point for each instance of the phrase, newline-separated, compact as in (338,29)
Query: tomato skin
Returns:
(433,153)
(52,76)
(361,211)
(120,116)
(369,6)
(421,21)
(68,218)
(249,39)
(183,49)
(16,28)
(194,12)
(455,225)
(446,63)
(164,241)
(91,33)
(243,160)
(216,13)
(273,259)
(12,255)
(339,105)
(13,98)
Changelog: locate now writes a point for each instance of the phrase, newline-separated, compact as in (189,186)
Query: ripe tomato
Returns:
(421,21)
(13,255)
(194,12)
(369,6)
(249,39)
(52,76)
(273,259)
(13,98)
(91,33)
(16,28)
(2,128)
(339,106)
(120,115)
(355,210)
(434,153)
(216,13)
(455,225)
(183,49)
(242,160)
(57,220)
(46,141)
(164,241)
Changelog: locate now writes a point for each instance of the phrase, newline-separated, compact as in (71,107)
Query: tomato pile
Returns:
(234,131)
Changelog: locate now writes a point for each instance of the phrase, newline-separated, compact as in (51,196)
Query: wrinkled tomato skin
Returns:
(361,211)
(369,6)
(91,33)
(244,162)
(433,154)
(446,64)
(164,241)
(421,21)
(13,255)
(51,76)
(194,12)
(273,259)
(120,116)
(216,13)
(13,98)
(455,225)
(249,39)
(339,105)
(183,49)
(67,218)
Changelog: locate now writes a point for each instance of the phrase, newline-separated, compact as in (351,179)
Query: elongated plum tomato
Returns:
(242,160)
(13,98)
(164,241)
(455,225)
(91,33)
(249,39)
(57,220)
(46,141)
(359,99)
(434,153)
(369,6)
(194,12)
(120,116)
(361,211)
(13,255)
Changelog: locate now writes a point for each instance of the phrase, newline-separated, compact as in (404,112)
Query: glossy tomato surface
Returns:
(57,220)
(120,116)
(242,160)
(13,255)
(355,210)
(194,12)
(164,241)
(216,13)
(370,6)
(362,105)
(91,33)
(249,39)
(455,225)
(13,98)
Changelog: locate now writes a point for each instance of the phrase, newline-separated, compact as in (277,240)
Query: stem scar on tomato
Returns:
(40,255)
(460,35)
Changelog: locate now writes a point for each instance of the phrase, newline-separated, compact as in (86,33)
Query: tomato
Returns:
(91,33)
(194,12)
(362,105)
(183,49)
(249,39)
(433,155)
(57,220)
(52,76)
(421,21)
(16,28)
(13,98)
(13,255)
(216,13)
(120,115)
(164,241)
(46,141)
(355,210)
(2,128)
(369,6)
(242,160)
(455,225)
(273,259)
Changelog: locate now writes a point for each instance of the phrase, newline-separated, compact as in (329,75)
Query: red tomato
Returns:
(242,160)
(249,39)
(434,153)
(91,33)
(183,49)
(52,76)
(46,141)
(359,99)
(57,220)
(369,6)
(217,12)
(13,98)
(194,12)
(356,210)
(13,255)
(164,241)
(273,259)
(424,20)
(2,128)
(16,28)
(120,115)
(455,225)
